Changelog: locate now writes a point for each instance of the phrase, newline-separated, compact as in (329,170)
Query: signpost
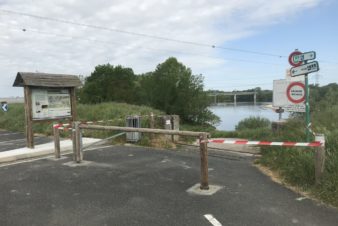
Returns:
(4,106)
(300,64)
(297,58)
(305,69)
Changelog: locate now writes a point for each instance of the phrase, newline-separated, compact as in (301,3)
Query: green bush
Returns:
(14,119)
(253,123)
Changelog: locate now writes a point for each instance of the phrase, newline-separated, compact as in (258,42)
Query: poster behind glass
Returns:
(50,103)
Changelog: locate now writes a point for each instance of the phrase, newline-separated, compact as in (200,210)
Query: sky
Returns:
(233,44)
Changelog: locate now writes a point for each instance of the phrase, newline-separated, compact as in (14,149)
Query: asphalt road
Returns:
(14,140)
(139,186)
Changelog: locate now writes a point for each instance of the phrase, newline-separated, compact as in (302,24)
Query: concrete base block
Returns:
(197,191)
(75,164)
(57,159)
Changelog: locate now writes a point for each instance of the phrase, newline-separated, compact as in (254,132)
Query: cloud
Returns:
(48,46)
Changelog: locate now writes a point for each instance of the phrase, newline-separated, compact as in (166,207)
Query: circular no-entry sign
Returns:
(292,60)
(296,92)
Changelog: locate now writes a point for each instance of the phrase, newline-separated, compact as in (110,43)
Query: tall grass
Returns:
(14,120)
(296,164)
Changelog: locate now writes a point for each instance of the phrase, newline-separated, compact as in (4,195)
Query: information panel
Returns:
(50,103)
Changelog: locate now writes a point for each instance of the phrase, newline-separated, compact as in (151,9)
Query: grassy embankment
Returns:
(296,165)
(13,120)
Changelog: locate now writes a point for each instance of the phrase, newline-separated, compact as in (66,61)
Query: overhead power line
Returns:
(140,47)
(138,34)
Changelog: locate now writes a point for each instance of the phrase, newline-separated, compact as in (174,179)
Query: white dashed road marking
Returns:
(212,220)
(8,134)
(11,141)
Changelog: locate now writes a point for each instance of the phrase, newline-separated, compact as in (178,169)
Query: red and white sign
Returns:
(296,92)
(289,95)
(291,58)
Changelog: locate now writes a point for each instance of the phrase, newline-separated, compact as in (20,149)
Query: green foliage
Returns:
(109,83)
(224,134)
(296,165)
(253,123)
(13,120)
(173,89)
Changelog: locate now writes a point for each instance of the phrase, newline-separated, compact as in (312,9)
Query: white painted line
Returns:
(7,134)
(212,220)
(9,141)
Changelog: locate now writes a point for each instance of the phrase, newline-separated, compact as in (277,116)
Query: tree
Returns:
(173,89)
(109,83)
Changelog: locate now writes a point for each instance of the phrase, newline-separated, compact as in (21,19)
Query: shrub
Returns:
(253,123)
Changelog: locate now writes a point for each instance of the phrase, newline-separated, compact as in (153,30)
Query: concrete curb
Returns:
(40,150)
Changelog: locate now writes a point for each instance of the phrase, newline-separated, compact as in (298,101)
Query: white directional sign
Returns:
(296,59)
(304,69)
(4,106)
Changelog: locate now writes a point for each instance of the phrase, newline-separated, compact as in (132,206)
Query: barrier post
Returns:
(77,142)
(204,161)
(74,141)
(151,124)
(175,121)
(319,158)
(56,142)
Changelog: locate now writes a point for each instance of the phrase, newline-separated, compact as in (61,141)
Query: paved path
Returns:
(139,186)
(15,140)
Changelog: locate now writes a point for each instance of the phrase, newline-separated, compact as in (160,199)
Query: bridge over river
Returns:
(234,94)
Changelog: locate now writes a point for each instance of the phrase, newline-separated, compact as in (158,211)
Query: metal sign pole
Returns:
(307,109)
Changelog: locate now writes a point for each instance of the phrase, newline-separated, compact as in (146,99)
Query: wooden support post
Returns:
(175,121)
(29,118)
(151,124)
(235,99)
(74,141)
(167,125)
(204,161)
(56,142)
(73,104)
(78,142)
(319,158)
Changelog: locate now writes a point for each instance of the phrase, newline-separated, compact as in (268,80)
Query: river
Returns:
(230,114)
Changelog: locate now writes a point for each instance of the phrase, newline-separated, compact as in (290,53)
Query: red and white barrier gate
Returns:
(267,143)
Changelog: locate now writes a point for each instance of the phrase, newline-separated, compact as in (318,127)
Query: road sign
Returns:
(279,98)
(289,95)
(4,106)
(305,69)
(295,53)
(304,57)
(295,92)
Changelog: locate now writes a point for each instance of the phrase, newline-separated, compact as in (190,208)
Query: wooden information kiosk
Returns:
(48,97)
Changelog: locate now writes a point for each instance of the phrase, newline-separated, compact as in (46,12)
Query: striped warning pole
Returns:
(268,143)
